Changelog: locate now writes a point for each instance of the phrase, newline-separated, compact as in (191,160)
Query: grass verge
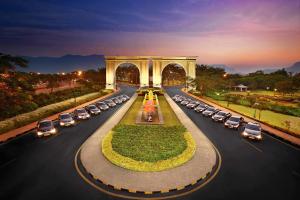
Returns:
(45,111)
(274,119)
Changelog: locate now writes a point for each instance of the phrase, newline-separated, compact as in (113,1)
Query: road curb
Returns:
(6,137)
(128,193)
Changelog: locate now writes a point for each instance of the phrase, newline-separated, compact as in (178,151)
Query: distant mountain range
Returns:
(67,63)
(295,68)
(227,69)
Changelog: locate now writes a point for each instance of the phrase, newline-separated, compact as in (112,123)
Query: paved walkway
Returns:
(24,129)
(96,164)
(269,129)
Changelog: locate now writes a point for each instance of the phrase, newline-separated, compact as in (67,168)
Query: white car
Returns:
(253,131)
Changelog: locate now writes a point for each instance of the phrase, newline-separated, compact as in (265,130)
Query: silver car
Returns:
(201,108)
(185,102)
(81,113)
(210,111)
(221,116)
(66,119)
(252,131)
(234,122)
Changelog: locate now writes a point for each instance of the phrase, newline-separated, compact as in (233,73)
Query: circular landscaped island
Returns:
(148,148)
(139,144)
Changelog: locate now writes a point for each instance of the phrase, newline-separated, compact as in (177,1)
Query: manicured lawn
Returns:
(269,117)
(149,143)
(262,92)
(131,114)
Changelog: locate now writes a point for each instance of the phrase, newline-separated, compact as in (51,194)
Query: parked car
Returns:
(81,113)
(66,119)
(210,111)
(175,96)
(102,106)
(192,104)
(121,98)
(127,97)
(116,100)
(221,116)
(92,109)
(179,99)
(201,108)
(234,122)
(184,102)
(45,128)
(110,103)
(252,131)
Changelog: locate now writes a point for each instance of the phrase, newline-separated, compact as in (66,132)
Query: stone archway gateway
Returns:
(142,63)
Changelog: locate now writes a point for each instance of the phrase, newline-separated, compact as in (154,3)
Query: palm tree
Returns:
(8,62)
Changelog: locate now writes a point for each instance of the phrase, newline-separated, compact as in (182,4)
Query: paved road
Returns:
(250,170)
(43,168)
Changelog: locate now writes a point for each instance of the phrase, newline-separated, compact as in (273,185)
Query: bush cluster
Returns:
(145,166)
(45,111)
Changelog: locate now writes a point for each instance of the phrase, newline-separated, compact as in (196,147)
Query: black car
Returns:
(221,116)
(210,111)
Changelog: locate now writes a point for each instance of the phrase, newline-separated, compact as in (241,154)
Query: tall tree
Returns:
(9,63)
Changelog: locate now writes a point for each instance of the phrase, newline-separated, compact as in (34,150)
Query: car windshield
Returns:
(45,124)
(92,107)
(222,113)
(81,111)
(65,116)
(101,104)
(234,119)
(253,127)
(201,106)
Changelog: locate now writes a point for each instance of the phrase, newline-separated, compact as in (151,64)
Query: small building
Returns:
(241,87)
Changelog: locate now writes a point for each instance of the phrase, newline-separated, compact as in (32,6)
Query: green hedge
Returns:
(43,112)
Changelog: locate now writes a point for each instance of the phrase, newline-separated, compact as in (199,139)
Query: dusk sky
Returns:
(241,34)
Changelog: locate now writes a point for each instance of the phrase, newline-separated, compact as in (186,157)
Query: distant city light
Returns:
(79,73)
(225,75)
(63,73)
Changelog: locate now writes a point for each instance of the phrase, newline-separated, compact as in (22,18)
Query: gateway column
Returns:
(144,73)
(110,74)
(156,73)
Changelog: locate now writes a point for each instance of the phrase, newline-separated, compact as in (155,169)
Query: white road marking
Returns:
(7,163)
(270,136)
(252,145)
